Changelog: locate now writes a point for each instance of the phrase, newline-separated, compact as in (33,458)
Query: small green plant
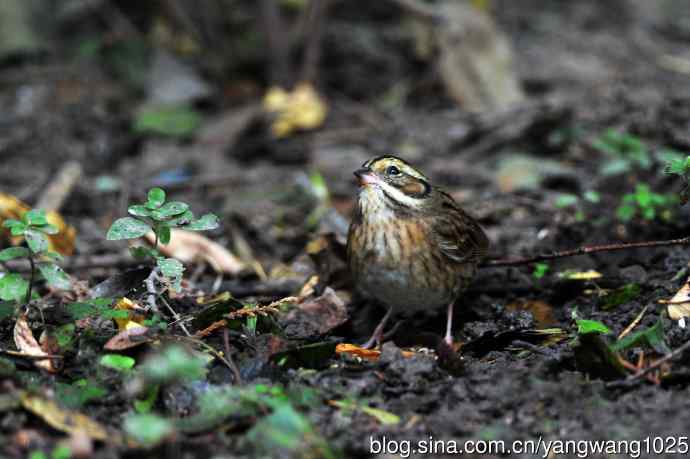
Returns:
(680,166)
(540,270)
(34,227)
(571,201)
(159,216)
(625,152)
(647,204)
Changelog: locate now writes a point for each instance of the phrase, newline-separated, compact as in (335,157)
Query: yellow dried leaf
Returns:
(25,342)
(61,419)
(190,246)
(302,108)
(583,275)
(62,242)
(368,354)
(133,319)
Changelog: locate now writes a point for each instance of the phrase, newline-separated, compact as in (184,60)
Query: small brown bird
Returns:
(410,246)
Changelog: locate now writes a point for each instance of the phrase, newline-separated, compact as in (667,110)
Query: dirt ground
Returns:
(535,178)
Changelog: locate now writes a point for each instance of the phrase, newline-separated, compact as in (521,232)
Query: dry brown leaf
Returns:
(61,419)
(128,338)
(25,342)
(189,246)
(679,306)
(541,311)
(368,354)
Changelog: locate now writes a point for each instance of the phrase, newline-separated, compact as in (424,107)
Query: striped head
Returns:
(389,185)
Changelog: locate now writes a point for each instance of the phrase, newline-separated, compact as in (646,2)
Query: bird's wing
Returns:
(458,235)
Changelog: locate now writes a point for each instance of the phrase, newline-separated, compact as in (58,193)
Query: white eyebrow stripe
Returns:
(398,195)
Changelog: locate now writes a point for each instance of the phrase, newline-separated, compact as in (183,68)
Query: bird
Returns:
(410,247)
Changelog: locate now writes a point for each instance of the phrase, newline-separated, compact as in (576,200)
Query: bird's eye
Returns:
(392,170)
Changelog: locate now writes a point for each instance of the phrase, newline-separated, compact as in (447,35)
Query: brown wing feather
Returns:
(458,235)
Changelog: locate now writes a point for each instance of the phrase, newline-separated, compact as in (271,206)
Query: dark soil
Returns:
(587,67)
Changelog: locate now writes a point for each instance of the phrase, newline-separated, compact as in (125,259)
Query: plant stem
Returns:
(584,250)
(31,279)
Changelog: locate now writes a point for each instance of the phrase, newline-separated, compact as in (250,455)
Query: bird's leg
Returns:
(449,326)
(377,336)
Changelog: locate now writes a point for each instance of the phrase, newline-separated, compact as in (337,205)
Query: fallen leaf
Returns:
(25,341)
(679,306)
(384,417)
(367,354)
(301,109)
(133,320)
(63,420)
(541,311)
(128,338)
(190,246)
(314,317)
(580,275)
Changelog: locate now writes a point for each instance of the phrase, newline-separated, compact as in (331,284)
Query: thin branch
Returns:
(228,356)
(584,250)
(634,377)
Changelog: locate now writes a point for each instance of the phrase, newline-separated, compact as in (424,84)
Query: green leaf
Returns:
(141,251)
(170,267)
(127,228)
(155,198)
(47,229)
(173,364)
(13,287)
(97,306)
(591,326)
(170,209)
(384,417)
(652,337)
(540,269)
(37,241)
(163,233)
(53,255)
(625,212)
(79,393)
(171,121)
(147,429)
(592,196)
(7,309)
(620,296)
(61,452)
(65,335)
(14,252)
(55,276)
(181,220)
(117,362)
(35,217)
(145,405)
(566,200)
(139,211)
(16,227)
(205,223)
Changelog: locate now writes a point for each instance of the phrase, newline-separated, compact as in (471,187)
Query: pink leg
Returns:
(377,336)
(449,326)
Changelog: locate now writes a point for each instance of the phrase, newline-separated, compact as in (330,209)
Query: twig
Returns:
(584,250)
(634,377)
(30,356)
(176,316)
(150,284)
(634,323)
(228,356)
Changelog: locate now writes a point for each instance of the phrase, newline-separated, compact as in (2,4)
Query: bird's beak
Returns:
(365,176)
